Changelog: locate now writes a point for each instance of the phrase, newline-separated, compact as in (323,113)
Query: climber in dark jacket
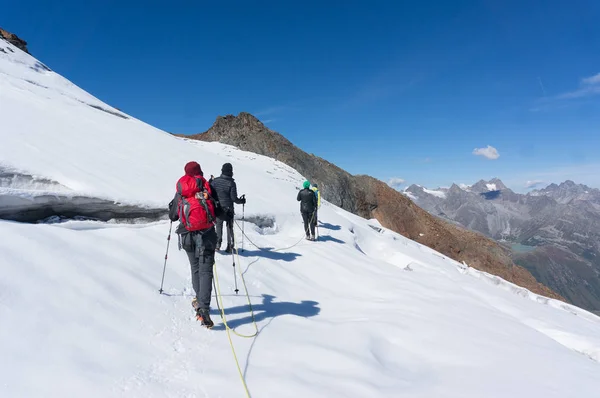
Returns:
(308,206)
(226,190)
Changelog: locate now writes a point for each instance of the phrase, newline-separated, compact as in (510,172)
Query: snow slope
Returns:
(363,312)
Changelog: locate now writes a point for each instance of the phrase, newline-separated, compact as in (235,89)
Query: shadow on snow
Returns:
(332,227)
(329,238)
(268,252)
(268,309)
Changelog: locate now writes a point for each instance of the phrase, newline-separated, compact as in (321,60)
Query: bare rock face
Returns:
(371,198)
(14,40)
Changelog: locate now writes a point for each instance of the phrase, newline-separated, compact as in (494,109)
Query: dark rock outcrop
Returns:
(14,40)
(371,198)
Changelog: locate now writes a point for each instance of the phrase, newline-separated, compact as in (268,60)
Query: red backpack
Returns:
(196,207)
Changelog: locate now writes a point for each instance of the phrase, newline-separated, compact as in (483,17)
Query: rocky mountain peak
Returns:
(568,191)
(414,188)
(229,124)
(482,186)
(498,183)
(245,131)
(455,188)
(14,40)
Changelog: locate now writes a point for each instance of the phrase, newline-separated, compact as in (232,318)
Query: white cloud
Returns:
(490,152)
(581,173)
(395,182)
(589,86)
(533,183)
(592,79)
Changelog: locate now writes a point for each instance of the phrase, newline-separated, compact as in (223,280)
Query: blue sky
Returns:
(404,90)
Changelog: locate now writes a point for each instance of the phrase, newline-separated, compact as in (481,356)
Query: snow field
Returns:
(81,315)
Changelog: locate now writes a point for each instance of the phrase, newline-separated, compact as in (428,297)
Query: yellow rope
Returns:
(281,248)
(220,301)
(227,328)
(224,318)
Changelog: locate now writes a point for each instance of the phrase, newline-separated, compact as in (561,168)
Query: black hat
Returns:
(227,169)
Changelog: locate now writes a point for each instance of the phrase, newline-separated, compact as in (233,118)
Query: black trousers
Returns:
(202,258)
(229,224)
(309,222)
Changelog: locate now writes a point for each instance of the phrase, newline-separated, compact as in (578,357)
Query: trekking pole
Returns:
(243,216)
(234,274)
(317,221)
(166,256)
(236,290)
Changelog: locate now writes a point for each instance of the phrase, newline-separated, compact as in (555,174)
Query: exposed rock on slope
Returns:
(371,198)
(14,40)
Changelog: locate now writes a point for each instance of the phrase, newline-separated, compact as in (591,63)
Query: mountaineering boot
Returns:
(195,304)
(307,237)
(218,247)
(204,317)
(229,249)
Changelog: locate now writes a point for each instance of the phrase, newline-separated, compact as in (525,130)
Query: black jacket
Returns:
(308,200)
(226,191)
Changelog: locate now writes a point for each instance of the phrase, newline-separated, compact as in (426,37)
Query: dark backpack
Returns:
(215,198)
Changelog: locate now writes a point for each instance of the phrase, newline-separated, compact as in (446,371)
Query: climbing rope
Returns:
(221,308)
(274,250)
(228,329)
(219,300)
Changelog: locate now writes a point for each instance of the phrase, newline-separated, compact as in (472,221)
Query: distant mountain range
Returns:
(554,232)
